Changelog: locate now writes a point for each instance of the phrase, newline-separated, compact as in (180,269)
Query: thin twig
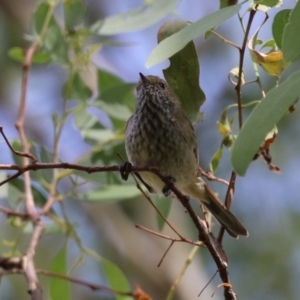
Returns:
(224,40)
(165,253)
(185,240)
(10,212)
(230,189)
(203,234)
(241,64)
(19,153)
(94,287)
(157,210)
(208,283)
(210,176)
(34,287)
(182,272)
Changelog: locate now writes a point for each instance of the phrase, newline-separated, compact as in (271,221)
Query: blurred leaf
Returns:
(45,156)
(3,188)
(116,279)
(59,288)
(108,153)
(114,90)
(98,178)
(185,62)
(117,112)
(76,89)
(164,206)
(112,192)
(74,13)
(228,141)
(291,41)
(225,3)
(117,93)
(269,3)
(16,222)
(98,135)
(213,166)
(50,228)
(120,95)
(84,120)
(136,19)
(107,80)
(179,40)
(224,125)
(15,195)
(54,41)
(38,192)
(279,22)
(17,147)
(36,150)
(18,54)
(262,119)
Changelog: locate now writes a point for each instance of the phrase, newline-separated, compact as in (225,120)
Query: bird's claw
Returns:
(167,188)
(125,169)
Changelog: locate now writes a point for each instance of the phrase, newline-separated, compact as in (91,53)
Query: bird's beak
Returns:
(144,79)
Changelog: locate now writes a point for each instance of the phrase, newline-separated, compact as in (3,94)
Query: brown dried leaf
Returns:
(139,294)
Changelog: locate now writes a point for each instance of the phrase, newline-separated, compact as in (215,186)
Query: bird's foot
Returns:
(167,188)
(125,169)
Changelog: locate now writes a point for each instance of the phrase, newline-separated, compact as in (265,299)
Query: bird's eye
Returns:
(162,85)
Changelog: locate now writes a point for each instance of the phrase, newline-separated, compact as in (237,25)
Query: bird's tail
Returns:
(207,197)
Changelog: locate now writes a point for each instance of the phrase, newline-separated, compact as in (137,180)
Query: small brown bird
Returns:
(160,135)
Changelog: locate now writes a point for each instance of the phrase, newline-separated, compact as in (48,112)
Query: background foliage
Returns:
(80,94)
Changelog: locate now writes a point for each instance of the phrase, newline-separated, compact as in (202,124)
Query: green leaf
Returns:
(3,188)
(262,119)
(53,40)
(213,166)
(38,192)
(76,88)
(44,155)
(179,40)
(278,26)
(99,135)
(15,195)
(50,228)
(112,192)
(291,41)
(107,80)
(117,93)
(164,206)
(116,111)
(83,120)
(185,62)
(74,12)
(225,3)
(18,54)
(224,126)
(115,90)
(59,288)
(116,279)
(136,19)
(269,3)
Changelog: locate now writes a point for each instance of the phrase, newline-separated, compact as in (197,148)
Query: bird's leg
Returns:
(149,188)
(167,188)
(125,169)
